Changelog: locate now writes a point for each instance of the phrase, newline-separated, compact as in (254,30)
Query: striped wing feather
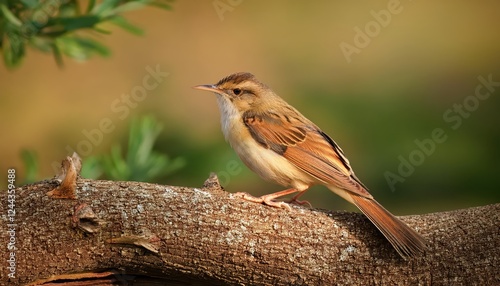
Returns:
(306,147)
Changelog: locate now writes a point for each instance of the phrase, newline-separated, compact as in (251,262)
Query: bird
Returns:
(281,145)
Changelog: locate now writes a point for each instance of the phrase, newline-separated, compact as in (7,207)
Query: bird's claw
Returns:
(300,203)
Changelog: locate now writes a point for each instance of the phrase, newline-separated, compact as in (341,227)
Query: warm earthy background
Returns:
(417,65)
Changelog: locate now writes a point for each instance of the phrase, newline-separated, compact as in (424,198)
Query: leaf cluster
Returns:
(140,162)
(55,26)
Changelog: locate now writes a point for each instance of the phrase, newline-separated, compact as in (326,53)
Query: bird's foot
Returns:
(295,200)
(268,199)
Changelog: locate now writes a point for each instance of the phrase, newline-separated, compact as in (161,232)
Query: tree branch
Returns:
(118,232)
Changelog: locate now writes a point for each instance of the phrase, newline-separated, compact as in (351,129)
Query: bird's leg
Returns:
(268,199)
(295,200)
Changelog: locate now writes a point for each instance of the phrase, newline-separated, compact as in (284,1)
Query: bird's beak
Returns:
(208,87)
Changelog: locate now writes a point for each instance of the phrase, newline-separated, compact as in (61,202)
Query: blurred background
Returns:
(374,75)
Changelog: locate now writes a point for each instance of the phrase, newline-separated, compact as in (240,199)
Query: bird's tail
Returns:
(406,241)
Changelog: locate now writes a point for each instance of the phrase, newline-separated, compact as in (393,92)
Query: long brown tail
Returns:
(406,241)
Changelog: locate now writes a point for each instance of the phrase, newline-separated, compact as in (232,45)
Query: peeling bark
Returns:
(124,232)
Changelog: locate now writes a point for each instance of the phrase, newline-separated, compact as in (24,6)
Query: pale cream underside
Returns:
(266,163)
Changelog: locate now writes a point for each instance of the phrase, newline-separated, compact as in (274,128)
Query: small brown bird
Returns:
(281,145)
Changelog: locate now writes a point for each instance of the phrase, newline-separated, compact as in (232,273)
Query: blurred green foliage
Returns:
(30,162)
(140,162)
(52,26)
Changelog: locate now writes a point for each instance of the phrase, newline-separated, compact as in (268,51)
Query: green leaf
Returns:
(159,4)
(145,164)
(67,8)
(81,48)
(30,162)
(143,134)
(90,6)
(91,168)
(114,165)
(124,24)
(13,50)
(129,6)
(101,30)
(41,43)
(57,55)
(75,23)
(105,7)
(11,18)
(142,163)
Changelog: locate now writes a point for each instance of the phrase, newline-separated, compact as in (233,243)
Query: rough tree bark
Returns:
(129,232)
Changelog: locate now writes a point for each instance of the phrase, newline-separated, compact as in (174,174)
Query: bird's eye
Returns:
(237,91)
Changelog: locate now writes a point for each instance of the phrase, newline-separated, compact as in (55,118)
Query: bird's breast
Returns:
(268,164)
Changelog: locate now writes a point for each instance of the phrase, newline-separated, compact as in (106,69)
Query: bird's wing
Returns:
(306,147)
